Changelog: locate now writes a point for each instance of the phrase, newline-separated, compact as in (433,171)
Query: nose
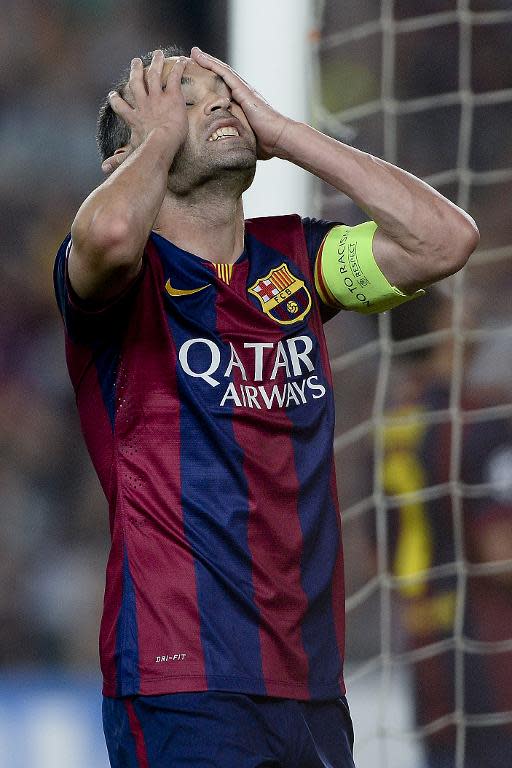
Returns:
(215,101)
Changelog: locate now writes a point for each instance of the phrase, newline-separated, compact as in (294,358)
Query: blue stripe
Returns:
(106,360)
(59,277)
(213,489)
(120,741)
(314,232)
(312,437)
(127,643)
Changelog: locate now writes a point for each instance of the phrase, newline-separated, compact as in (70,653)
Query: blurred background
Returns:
(424,453)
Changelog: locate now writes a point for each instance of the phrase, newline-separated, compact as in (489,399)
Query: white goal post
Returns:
(269,46)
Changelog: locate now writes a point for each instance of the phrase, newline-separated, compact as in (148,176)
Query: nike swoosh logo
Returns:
(183,291)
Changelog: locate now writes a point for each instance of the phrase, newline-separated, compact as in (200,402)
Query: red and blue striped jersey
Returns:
(205,399)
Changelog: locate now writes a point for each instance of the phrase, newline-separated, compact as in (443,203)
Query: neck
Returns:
(209,226)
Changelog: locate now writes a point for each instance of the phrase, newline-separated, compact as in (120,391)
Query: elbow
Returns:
(461,238)
(104,238)
(469,238)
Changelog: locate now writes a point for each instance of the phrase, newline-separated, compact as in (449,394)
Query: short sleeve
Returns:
(87,321)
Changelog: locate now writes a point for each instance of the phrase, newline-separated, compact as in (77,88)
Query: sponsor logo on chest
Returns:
(264,375)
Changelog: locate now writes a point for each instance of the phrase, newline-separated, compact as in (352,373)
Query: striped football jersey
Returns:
(205,398)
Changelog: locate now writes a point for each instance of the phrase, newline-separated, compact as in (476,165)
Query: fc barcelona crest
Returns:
(283,296)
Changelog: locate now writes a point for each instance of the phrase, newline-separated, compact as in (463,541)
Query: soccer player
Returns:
(195,347)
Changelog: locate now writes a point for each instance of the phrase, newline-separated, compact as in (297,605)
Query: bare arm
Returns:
(112,226)
(421,236)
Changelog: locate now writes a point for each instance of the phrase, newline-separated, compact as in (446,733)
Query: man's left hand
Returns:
(267,124)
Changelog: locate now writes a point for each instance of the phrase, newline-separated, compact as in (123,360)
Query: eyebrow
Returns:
(186,80)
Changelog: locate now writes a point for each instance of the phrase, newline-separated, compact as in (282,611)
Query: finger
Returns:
(230,77)
(136,80)
(120,106)
(110,164)
(106,167)
(173,80)
(154,71)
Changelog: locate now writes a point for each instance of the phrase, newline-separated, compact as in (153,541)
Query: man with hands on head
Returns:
(195,346)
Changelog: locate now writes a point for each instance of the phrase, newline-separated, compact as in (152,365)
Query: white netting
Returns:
(426,84)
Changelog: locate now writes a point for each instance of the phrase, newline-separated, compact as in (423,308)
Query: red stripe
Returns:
(136,730)
(278,281)
(97,432)
(112,604)
(94,417)
(274,535)
(275,231)
(282,279)
(274,532)
(161,562)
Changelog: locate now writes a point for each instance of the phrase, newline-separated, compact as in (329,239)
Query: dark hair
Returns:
(111,130)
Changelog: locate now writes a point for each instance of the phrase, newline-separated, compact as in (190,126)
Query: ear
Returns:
(113,162)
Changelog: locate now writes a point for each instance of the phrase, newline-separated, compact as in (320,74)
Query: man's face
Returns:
(206,154)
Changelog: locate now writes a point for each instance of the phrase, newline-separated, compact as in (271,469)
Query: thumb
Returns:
(111,164)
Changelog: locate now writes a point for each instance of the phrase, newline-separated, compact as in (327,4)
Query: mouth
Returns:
(223,133)
(225,129)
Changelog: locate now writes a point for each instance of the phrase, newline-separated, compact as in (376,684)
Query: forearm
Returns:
(116,218)
(408,212)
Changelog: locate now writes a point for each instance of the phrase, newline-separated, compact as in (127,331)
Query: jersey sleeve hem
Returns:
(92,307)
(89,321)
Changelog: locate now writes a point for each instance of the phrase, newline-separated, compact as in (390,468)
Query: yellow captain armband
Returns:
(347,275)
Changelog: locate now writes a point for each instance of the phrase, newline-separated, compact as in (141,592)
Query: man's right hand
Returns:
(112,226)
(151,101)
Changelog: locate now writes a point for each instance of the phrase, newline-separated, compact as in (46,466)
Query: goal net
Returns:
(424,393)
